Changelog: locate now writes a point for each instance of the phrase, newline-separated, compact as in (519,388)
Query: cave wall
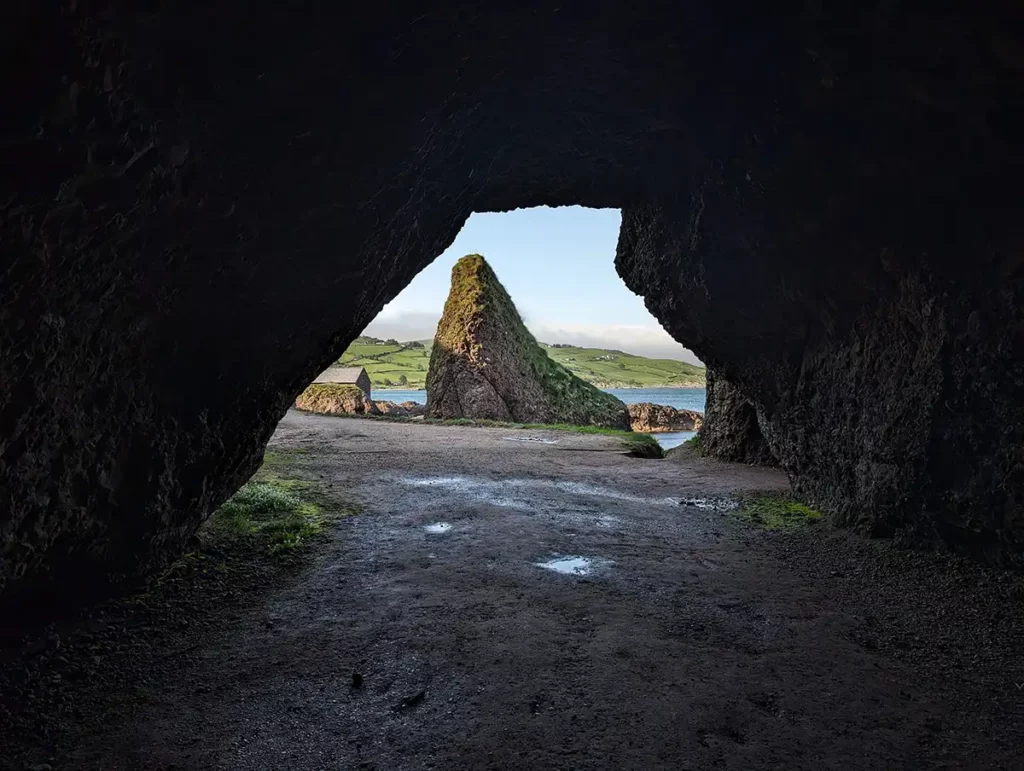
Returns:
(201,206)
(731,431)
(897,408)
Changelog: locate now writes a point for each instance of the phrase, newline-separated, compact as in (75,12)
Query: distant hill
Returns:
(615,369)
(387,364)
(391,365)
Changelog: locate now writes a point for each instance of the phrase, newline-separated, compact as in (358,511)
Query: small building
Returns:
(346,376)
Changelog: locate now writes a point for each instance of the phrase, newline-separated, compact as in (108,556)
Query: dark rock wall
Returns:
(201,205)
(185,239)
(897,410)
(730,430)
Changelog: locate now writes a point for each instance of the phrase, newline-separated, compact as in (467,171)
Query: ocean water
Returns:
(398,396)
(680,398)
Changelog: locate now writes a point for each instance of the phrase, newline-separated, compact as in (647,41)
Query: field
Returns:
(404,365)
(616,369)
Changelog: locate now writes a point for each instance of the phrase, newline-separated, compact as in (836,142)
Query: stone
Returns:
(407,409)
(659,418)
(731,431)
(336,399)
(486,365)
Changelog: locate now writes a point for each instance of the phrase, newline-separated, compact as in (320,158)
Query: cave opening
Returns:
(554,269)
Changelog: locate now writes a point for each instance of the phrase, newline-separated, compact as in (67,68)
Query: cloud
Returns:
(405,325)
(642,339)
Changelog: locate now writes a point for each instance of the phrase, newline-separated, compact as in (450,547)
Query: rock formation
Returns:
(731,431)
(341,399)
(821,203)
(659,418)
(337,399)
(485,364)
(402,410)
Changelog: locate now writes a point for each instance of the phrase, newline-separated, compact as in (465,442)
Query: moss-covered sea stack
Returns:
(485,364)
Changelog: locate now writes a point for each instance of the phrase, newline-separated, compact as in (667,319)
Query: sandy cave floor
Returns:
(687,640)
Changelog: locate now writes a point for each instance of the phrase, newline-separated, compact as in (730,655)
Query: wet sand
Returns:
(553,604)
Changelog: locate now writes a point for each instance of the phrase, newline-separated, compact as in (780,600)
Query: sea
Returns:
(680,398)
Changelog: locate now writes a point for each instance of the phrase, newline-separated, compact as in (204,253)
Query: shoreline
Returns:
(375,389)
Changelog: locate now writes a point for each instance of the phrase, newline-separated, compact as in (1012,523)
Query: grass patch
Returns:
(694,444)
(778,513)
(643,446)
(271,513)
(280,458)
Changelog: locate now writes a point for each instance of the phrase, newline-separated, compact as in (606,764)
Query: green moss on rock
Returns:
(643,446)
(336,399)
(485,364)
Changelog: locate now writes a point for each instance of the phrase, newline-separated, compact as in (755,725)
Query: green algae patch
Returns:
(643,446)
(273,515)
(274,512)
(777,513)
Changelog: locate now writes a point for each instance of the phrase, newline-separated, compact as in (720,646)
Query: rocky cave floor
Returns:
(695,641)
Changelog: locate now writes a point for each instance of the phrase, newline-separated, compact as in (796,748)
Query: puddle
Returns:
(517,493)
(580,488)
(710,504)
(438,527)
(436,482)
(483,490)
(538,439)
(573,565)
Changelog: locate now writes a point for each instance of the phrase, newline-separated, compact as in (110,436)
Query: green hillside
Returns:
(615,369)
(387,362)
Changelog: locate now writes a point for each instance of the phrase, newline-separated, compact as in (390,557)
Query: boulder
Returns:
(485,364)
(336,399)
(659,418)
(406,409)
(731,430)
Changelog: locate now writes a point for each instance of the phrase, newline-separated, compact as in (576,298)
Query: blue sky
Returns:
(559,267)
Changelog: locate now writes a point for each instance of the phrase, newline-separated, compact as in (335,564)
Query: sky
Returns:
(559,267)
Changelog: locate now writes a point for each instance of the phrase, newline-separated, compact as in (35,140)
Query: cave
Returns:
(201,207)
